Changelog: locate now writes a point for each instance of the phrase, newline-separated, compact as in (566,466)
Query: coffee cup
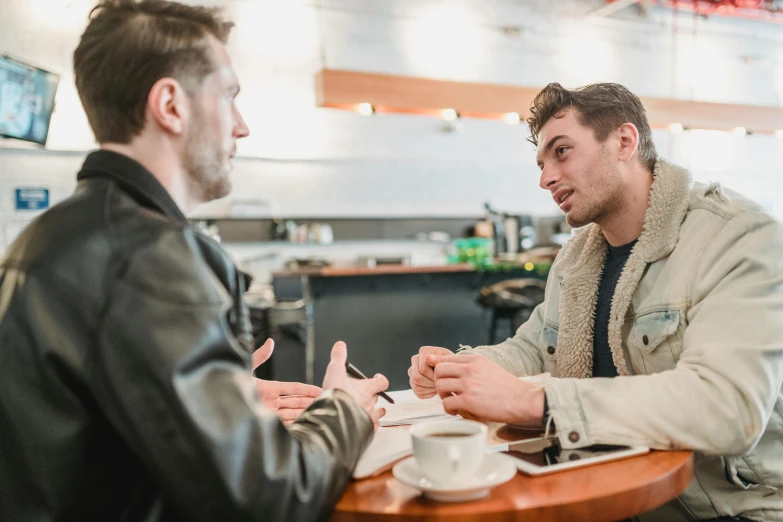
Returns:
(449,450)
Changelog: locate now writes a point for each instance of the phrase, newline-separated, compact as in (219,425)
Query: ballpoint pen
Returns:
(353,371)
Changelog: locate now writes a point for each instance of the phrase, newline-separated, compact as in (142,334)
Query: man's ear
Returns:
(167,105)
(629,141)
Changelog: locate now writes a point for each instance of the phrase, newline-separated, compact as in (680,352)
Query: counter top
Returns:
(340,271)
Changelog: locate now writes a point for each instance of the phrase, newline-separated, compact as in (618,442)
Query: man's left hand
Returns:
(287,399)
(473,384)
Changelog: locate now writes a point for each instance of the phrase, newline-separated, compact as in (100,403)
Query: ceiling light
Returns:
(365,109)
(740,131)
(449,114)
(512,118)
(675,128)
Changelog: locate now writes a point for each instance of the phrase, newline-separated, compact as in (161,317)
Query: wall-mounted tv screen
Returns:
(26,100)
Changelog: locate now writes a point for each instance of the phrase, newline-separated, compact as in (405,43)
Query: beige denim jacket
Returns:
(696,333)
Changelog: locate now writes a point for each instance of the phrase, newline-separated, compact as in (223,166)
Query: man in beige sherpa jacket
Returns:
(682,349)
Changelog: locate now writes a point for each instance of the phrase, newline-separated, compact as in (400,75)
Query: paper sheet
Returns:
(409,409)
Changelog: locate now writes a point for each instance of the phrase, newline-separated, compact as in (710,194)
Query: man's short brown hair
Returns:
(601,106)
(131,44)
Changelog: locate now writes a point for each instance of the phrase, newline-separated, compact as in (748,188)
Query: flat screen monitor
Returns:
(26,100)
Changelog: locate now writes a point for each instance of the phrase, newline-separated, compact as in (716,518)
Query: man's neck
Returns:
(164,165)
(627,222)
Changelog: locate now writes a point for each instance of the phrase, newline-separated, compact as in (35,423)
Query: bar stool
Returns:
(513,301)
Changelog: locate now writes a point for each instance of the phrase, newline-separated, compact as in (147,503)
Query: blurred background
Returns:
(379,216)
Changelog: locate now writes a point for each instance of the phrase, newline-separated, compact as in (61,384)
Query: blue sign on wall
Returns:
(30,198)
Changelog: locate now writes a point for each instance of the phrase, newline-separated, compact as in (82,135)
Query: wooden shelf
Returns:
(406,94)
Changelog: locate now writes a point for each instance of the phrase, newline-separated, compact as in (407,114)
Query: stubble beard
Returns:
(602,201)
(208,174)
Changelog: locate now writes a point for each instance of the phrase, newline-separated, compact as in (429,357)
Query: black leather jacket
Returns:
(125,384)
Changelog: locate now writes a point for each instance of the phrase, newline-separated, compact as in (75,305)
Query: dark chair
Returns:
(512,301)
(284,322)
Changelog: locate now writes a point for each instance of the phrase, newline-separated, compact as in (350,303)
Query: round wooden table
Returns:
(602,492)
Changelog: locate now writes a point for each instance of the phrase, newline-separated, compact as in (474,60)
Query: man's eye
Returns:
(561,150)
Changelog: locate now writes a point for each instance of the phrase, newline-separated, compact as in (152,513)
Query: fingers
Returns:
(298,388)
(453,404)
(339,354)
(308,390)
(289,415)
(376,415)
(422,392)
(425,370)
(448,386)
(418,380)
(447,370)
(261,355)
(295,403)
(377,384)
(336,374)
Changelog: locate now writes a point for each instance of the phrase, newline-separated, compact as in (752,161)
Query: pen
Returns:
(353,371)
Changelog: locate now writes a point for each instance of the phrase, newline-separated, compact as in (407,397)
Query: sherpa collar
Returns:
(582,261)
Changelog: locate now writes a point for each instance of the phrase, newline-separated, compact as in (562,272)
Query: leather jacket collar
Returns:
(134,178)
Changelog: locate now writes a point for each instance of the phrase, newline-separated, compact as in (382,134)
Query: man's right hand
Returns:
(365,391)
(422,371)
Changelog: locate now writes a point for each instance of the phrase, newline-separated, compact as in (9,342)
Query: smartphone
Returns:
(544,455)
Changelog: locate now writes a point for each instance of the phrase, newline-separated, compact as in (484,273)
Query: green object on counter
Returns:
(477,251)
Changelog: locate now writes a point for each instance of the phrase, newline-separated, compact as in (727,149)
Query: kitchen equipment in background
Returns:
(209,227)
(498,229)
(434,236)
(309,262)
(511,228)
(375,261)
(319,233)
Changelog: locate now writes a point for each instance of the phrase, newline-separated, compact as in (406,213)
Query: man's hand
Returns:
(365,391)
(481,388)
(287,399)
(422,370)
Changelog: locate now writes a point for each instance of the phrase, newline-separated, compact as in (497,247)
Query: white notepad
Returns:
(388,446)
(409,409)
(391,444)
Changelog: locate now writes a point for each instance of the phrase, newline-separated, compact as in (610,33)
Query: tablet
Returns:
(544,455)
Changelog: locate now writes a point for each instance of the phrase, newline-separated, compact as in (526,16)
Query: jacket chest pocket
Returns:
(655,341)
(549,346)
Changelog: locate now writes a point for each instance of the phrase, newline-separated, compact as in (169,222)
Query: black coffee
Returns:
(448,435)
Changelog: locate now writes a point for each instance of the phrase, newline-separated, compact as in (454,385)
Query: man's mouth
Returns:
(561,197)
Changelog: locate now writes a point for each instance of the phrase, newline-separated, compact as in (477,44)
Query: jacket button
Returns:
(573,436)
(645,340)
(550,350)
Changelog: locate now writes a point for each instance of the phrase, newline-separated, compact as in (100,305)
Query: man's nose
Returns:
(549,177)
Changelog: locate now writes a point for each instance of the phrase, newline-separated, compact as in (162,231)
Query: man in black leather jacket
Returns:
(125,346)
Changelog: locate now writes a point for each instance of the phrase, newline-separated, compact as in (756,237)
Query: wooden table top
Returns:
(611,491)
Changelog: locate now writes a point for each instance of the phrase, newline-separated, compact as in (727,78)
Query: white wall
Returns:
(312,161)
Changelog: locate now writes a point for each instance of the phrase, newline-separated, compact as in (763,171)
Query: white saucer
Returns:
(496,469)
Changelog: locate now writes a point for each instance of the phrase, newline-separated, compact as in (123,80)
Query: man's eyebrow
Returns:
(551,142)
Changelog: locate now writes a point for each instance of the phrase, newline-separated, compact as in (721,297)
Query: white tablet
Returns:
(544,455)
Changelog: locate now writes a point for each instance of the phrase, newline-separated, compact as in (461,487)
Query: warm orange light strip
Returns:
(424,96)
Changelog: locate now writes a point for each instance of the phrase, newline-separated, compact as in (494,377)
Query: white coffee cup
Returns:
(449,450)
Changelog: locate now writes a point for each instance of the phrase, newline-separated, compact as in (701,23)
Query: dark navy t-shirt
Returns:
(603,364)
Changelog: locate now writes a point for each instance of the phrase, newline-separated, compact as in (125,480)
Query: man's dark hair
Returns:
(601,106)
(131,44)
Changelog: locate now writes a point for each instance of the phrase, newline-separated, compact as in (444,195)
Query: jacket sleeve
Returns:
(176,385)
(519,355)
(719,397)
